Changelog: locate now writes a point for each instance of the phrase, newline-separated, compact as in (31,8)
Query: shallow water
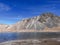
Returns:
(27,35)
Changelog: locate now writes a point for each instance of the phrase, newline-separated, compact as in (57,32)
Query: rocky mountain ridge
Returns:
(44,21)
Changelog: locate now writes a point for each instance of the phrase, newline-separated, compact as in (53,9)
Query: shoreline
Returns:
(29,31)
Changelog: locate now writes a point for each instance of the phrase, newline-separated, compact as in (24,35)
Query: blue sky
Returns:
(12,11)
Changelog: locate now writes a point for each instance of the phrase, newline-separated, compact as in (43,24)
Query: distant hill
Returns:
(45,21)
(3,27)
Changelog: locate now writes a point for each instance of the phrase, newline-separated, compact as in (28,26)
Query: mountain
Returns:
(44,21)
(3,27)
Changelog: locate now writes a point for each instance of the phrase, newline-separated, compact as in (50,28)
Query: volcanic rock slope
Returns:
(41,22)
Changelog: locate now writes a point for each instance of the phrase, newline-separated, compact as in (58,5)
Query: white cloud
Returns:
(4,7)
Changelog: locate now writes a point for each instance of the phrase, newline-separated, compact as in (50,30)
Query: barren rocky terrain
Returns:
(45,22)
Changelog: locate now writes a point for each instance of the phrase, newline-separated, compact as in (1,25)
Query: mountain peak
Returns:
(48,14)
(38,22)
(45,21)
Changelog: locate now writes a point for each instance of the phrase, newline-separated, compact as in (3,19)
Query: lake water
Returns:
(27,35)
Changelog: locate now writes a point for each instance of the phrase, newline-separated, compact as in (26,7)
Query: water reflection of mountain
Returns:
(28,35)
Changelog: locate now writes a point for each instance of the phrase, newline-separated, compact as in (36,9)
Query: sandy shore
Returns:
(30,31)
(33,42)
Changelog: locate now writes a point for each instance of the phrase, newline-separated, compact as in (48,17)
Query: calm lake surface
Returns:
(27,35)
